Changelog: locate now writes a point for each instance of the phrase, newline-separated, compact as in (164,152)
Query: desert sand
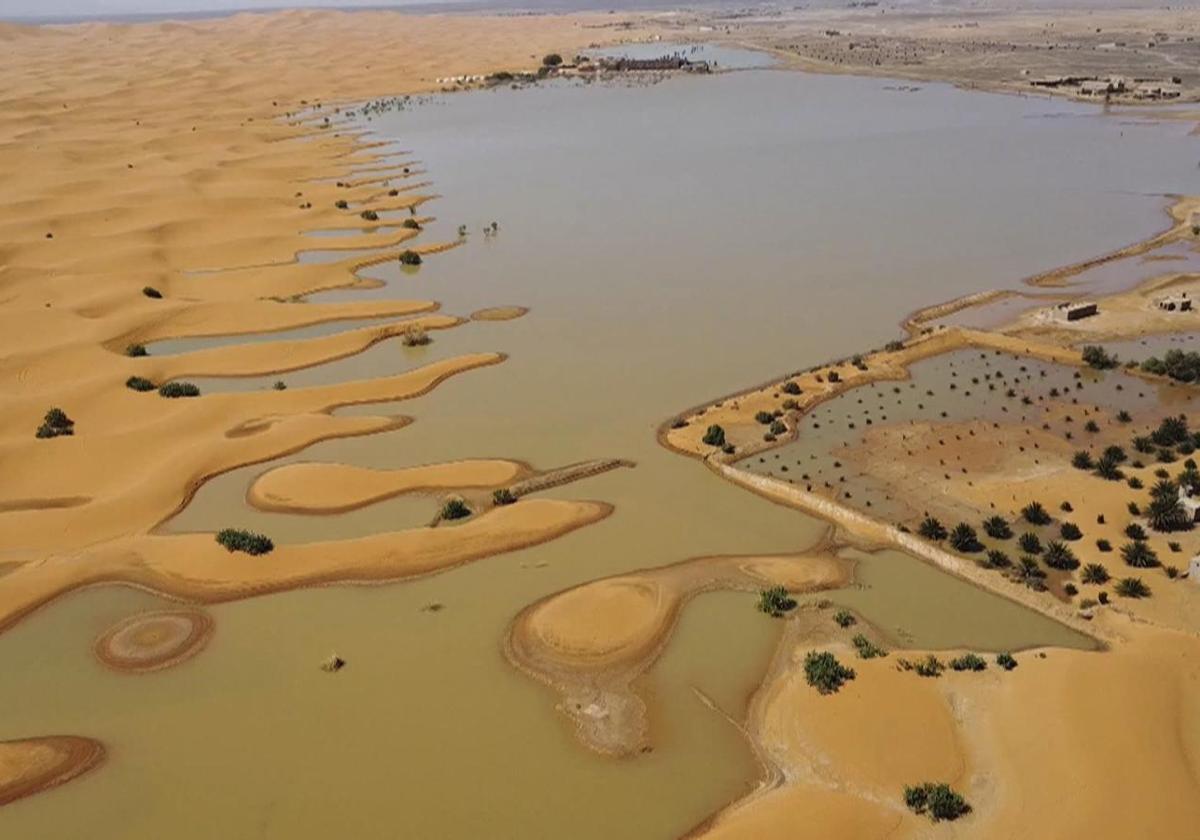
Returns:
(32,765)
(591,642)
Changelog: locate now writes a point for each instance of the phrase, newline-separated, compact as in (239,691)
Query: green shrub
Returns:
(715,436)
(280,385)
(369,216)
(764,417)
(1081,460)
(455,509)
(824,673)
(1177,364)
(844,618)
(503,496)
(1030,543)
(552,60)
(175,390)
(1139,554)
(410,257)
(938,800)
(1103,545)
(997,528)
(1070,531)
(1059,556)
(151,292)
(411,224)
(790,387)
(930,666)
(778,428)
(139,383)
(997,559)
(1094,573)
(968,662)
(341,204)
(1006,661)
(136,350)
(1095,356)
(775,601)
(964,539)
(932,529)
(235,539)
(56,423)
(866,648)
(1132,587)
(1035,514)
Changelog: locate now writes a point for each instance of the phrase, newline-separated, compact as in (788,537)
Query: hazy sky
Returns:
(77,8)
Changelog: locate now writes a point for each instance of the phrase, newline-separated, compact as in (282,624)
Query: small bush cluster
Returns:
(410,257)
(415,336)
(932,529)
(775,601)
(714,436)
(844,618)
(235,539)
(455,509)
(151,292)
(938,800)
(866,648)
(56,423)
(139,383)
(1006,661)
(1096,357)
(824,673)
(175,390)
(790,387)
(411,224)
(997,528)
(1035,514)
(503,496)
(369,216)
(136,350)
(968,662)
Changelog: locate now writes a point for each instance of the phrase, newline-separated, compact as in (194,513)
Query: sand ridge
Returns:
(31,765)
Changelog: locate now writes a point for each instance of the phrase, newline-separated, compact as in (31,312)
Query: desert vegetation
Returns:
(824,673)
(248,542)
(56,423)
(937,800)
(776,601)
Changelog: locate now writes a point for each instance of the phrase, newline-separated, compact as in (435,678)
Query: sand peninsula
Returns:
(1063,476)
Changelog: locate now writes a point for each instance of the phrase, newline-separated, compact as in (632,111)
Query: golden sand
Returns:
(498,313)
(334,488)
(592,641)
(1048,749)
(31,765)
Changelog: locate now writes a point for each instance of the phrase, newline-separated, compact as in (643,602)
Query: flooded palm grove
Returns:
(673,242)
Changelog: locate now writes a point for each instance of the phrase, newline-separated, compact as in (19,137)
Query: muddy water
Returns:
(674,242)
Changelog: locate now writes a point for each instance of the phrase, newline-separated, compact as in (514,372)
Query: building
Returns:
(1175,303)
(1193,571)
(1191,504)
(1076,310)
(1096,88)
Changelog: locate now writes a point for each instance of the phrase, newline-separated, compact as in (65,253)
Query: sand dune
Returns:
(332,488)
(32,765)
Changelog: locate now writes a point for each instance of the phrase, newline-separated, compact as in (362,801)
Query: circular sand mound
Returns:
(498,313)
(152,641)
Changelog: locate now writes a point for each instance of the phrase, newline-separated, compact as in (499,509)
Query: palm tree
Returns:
(997,528)
(1059,556)
(1094,573)
(964,539)
(1107,469)
(1166,512)
(1030,543)
(932,529)
(1139,555)
(1035,514)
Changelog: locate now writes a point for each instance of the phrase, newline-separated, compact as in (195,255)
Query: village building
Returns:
(1175,303)
(1193,572)
(1076,310)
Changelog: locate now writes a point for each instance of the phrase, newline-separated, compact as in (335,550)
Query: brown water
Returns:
(674,242)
